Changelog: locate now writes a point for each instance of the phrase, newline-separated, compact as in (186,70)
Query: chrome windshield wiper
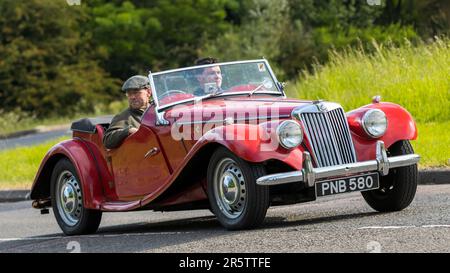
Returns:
(267,83)
(255,90)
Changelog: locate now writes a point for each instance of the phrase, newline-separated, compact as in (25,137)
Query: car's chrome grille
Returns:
(329,136)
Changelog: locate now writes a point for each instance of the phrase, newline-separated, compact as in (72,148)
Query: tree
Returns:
(319,26)
(137,36)
(46,65)
(259,34)
(430,17)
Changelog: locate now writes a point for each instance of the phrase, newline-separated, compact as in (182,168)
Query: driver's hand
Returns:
(132,130)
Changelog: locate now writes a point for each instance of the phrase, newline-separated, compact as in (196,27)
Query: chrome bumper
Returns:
(310,175)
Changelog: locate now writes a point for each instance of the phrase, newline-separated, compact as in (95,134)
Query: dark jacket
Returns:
(120,125)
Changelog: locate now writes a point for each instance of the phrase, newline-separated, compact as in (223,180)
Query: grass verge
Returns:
(18,166)
(415,77)
(433,144)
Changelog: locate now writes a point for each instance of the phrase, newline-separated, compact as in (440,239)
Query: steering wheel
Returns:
(170,92)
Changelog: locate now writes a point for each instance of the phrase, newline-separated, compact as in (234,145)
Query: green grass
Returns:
(416,77)
(18,166)
(433,144)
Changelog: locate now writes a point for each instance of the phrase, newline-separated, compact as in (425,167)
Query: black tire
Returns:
(80,220)
(398,188)
(250,207)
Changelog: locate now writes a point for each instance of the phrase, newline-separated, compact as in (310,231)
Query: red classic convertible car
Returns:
(225,137)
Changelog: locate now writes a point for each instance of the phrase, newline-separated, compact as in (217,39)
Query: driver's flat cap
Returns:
(136,82)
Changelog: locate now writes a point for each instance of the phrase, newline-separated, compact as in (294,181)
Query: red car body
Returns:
(152,170)
(118,181)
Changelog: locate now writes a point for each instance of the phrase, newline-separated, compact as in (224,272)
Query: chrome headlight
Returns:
(289,134)
(374,123)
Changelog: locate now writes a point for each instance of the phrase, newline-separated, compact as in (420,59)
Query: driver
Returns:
(210,78)
(138,92)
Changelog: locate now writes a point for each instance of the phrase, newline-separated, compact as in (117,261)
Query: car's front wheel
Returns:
(67,201)
(398,188)
(235,198)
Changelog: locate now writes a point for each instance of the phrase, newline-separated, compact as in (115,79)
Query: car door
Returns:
(138,165)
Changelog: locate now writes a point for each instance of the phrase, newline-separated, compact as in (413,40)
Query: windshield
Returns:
(192,83)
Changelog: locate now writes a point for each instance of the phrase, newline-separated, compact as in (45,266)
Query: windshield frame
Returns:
(159,108)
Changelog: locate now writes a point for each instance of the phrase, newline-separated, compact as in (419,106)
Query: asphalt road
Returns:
(32,139)
(342,223)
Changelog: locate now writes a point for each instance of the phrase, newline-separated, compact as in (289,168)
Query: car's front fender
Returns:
(83,158)
(401,126)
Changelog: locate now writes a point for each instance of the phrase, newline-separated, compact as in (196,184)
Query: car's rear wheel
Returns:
(67,201)
(398,188)
(235,198)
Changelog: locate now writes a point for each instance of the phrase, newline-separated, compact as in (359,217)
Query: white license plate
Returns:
(348,184)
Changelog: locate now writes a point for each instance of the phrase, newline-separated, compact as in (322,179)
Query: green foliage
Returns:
(258,36)
(11,122)
(339,15)
(57,59)
(320,26)
(416,77)
(46,66)
(154,35)
(430,17)
(124,36)
(294,33)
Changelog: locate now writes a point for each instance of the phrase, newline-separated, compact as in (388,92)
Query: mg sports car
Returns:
(225,137)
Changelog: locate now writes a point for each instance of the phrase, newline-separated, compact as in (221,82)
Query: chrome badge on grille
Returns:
(322,107)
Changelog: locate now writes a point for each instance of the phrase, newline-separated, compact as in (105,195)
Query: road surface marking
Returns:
(436,226)
(400,227)
(387,227)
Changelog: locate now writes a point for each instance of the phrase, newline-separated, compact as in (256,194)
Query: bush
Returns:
(258,36)
(47,65)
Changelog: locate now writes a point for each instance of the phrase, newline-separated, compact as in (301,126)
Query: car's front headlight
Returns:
(289,134)
(374,123)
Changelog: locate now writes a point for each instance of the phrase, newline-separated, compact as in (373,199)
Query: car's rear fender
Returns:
(86,162)
(401,126)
